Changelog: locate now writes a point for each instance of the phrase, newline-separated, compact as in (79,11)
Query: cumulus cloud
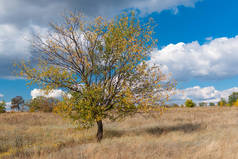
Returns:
(14,47)
(57,93)
(213,60)
(1,95)
(8,106)
(198,94)
(209,38)
(18,18)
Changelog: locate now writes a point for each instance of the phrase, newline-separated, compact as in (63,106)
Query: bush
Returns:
(189,103)
(202,104)
(222,102)
(211,104)
(232,98)
(2,107)
(236,103)
(175,105)
(43,104)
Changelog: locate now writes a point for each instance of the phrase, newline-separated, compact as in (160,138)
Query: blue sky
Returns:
(197,40)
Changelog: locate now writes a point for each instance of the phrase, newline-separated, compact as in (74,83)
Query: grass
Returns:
(193,133)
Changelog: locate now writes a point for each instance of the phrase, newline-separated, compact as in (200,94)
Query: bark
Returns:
(100,130)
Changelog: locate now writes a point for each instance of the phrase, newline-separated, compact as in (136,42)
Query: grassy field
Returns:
(180,133)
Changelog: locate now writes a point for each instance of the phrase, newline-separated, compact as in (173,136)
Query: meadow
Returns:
(179,133)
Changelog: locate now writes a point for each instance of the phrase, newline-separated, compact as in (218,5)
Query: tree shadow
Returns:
(113,133)
(186,128)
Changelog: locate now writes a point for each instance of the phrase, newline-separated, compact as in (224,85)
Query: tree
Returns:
(211,104)
(2,107)
(43,104)
(202,104)
(102,64)
(189,103)
(175,105)
(222,102)
(17,103)
(236,103)
(232,98)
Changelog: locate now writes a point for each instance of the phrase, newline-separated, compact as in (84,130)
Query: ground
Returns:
(181,133)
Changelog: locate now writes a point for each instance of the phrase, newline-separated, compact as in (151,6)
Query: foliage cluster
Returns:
(2,107)
(189,103)
(42,104)
(232,100)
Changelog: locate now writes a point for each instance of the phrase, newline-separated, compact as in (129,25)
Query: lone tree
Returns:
(17,103)
(103,65)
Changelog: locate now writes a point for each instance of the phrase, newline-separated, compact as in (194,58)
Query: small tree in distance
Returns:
(202,104)
(222,102)
(2,107)
(189,103)
(17,103)
(232,98)
(211,104)
(236,103)
(43,104)
(102,64)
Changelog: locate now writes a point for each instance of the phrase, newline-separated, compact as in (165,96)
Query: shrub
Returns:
(202,104)
(211,104)
(236,103)
(232,98)
(222,102)
(43,104)
(189,103)
(2,107)
(175,105)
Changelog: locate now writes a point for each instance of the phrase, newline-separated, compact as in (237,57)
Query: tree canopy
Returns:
(232,98)
(42,103)
(189,103)
(17,103)
(103,65)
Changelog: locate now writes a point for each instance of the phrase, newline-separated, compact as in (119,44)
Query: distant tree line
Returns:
(38,104)
(45,104)
(231,101)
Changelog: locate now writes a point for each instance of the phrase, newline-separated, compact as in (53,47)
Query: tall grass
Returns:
(180,133)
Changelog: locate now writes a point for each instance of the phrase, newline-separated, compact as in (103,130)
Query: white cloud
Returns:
(13,41)
(57,93)
(198,94)
(213,60)
(150,6)
(209,38)
(20,18)
(1,95)
(14,47)
(8,106)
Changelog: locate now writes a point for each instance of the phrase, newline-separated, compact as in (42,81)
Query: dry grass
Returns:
(180,133)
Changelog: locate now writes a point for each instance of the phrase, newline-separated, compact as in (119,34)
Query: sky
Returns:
(197,41)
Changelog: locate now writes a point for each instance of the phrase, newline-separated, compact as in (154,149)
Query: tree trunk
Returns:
(100,130)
